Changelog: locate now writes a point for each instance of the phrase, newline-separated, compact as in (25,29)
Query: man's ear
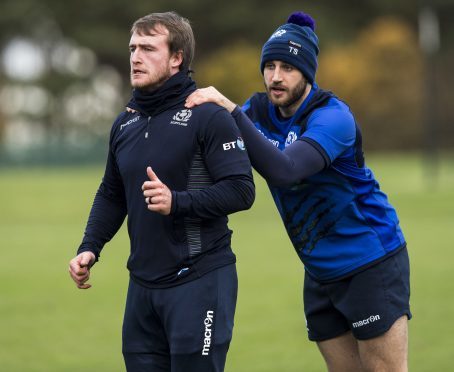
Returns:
(176,59)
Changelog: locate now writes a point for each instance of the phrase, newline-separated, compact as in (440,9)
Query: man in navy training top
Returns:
(304,141)
(177,176)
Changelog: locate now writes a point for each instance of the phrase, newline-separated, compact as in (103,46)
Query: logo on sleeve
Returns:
(182,117)
(239,143)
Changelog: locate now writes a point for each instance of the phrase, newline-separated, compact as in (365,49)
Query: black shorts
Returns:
(184,328)
(367,303)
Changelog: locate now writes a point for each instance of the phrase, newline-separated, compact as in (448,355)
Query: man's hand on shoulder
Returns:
(209,94)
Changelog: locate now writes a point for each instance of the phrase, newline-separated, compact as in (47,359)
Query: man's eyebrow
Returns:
(140,45)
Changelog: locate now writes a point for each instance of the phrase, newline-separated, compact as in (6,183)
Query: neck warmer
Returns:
(172,93)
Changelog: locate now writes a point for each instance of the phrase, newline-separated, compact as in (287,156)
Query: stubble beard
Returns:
(154,81)
(294,95)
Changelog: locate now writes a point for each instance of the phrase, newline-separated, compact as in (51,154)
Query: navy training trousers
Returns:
(183,328)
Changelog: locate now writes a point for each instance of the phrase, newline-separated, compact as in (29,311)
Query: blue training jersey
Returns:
(338,220)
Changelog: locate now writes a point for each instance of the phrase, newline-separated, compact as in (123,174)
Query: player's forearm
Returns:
(227,196)
(227,104)
(106,217)
(280,168)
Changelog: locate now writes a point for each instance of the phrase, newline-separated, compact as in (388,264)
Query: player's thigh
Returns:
(199,318)
(145,346)
(372,300)
(341,353)
(146,362)
(329,328)
(214,361)
(387,352)
(323,320)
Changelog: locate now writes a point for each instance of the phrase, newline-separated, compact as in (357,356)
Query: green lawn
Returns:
(47,325)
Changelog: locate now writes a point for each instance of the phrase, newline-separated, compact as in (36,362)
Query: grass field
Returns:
(47,325)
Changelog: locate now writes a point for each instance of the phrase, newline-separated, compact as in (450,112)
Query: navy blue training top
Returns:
(335,214)
(199,154)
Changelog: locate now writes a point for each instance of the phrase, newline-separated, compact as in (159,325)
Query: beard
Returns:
(153,80)
(294,95)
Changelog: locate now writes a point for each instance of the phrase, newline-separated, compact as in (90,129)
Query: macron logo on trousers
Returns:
(208,331)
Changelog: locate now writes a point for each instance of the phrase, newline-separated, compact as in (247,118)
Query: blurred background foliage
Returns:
(64,67)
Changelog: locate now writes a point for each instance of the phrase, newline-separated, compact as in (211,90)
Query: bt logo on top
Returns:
(239,143)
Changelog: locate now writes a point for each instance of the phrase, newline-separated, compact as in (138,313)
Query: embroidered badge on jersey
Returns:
(181,117)
(291,137)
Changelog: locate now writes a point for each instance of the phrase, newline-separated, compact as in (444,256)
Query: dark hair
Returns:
(181,37)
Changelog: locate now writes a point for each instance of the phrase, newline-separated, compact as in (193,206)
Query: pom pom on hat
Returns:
(302,19)
(296,43)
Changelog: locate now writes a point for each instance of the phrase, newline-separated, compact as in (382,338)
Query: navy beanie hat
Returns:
(295,43)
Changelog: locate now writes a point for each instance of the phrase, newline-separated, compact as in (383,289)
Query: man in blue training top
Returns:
(176,176)
(304,141)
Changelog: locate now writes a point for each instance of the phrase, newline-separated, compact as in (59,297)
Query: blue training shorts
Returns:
(366,303)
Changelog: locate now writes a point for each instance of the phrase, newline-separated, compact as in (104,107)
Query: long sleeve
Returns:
(300,160)
(107,212)
(229,169)
(227,196)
